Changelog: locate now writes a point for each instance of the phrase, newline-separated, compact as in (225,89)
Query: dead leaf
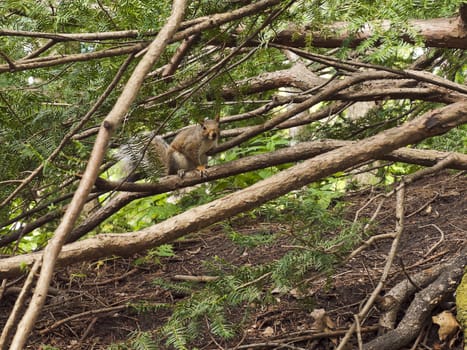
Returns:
(268,332)
(322,322)
(319,324)
(447,323)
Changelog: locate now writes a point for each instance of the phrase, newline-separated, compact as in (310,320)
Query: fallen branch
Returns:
(400,207)
(437,244)
(304,337)
(432,123)
(298,152)
(301,151)
(402,291)
(449,33)
(189,278)
(105,310)
(421,307)
(369,242)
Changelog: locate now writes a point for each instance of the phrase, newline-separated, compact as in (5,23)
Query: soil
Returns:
(92,298)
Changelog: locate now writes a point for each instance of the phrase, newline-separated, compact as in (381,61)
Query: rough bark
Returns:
(403,291)
(436,32)
(432,123)
(301,151)
(298,76)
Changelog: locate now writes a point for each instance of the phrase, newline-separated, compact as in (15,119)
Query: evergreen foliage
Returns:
(321,239)
(40,106)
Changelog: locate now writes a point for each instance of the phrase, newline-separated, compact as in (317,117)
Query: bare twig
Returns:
(105,310)
(190,278)
(423,206)
(115,279)
(400,202)
(359,332)
(89,328)
(369,242)
(406,274)
(307,336)
(436,245)
(357,213)
(40,50)
(19,305)
(176,59)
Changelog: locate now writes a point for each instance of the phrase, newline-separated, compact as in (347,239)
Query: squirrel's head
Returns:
(211,128)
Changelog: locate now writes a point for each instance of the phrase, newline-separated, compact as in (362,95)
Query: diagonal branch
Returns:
(110,123)
(50,61)
(330,90)
(301,151)
(432,123)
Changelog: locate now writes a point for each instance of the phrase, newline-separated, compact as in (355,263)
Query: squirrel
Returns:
(187,151)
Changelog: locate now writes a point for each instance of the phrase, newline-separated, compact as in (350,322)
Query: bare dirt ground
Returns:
(88,306)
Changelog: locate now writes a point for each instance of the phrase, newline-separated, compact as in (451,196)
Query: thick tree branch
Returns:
(297,76)
(407,73)
(436,32)
(421,307)
(57,60)
(296,153)
(333,88)
(192,28)
(403,291)
(432,123)
(301,151)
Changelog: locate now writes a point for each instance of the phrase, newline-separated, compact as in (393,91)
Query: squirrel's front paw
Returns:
(181,173)
(202,170)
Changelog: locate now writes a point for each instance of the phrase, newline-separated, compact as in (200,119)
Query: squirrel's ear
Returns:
(217,118)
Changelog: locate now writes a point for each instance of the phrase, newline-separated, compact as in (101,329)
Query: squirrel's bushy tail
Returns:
(143,153)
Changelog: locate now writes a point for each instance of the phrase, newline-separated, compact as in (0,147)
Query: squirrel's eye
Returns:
(204,128)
